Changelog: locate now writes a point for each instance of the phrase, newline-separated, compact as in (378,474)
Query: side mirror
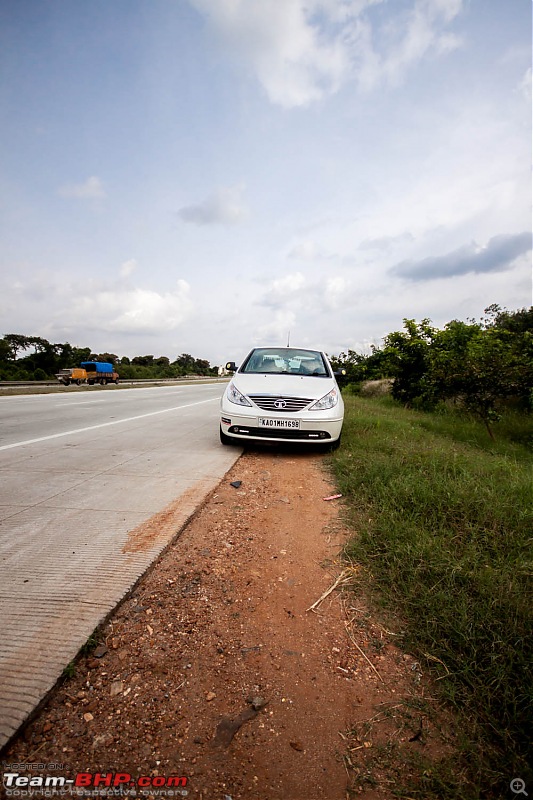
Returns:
(340,376)
(231,366)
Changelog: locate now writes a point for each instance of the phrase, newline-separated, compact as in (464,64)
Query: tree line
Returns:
(477,365)
(27,358)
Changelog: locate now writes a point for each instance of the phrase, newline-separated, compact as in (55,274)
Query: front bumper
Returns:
(321,429)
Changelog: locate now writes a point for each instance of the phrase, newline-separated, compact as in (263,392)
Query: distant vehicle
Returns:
(75,375)
(282,394)
(90,372)
(99,372)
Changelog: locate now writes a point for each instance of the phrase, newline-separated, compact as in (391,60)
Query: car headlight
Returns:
(328,401)
(234,396)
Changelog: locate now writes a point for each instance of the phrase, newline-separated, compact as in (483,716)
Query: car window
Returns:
(286,361)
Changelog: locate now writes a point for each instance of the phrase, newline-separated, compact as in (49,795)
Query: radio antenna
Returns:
(288,339)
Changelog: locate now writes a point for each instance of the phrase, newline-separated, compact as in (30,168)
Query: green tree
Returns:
(5,351)
(408,354)
(446,358)
(520,325)
(354,365)
(110,358)
(185,362)
(143,361)
(44,356)
(80,354)
(201,366)
(491,373)
(16,342)
(482,364)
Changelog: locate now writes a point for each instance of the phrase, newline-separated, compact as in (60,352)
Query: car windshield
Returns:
(286,361)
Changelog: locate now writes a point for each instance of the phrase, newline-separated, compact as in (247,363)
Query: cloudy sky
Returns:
(204,175)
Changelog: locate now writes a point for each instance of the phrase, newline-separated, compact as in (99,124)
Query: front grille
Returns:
(274,402)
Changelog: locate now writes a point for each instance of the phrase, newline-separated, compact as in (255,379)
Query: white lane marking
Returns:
(106,424)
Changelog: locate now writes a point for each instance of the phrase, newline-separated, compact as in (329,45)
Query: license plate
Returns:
(268,422)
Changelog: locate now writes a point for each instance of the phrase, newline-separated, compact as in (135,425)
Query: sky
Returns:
(205,176)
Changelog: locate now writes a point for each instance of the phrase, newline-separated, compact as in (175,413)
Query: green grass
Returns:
(443,520)
(69,671)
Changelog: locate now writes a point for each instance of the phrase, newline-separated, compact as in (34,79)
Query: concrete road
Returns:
(92,487)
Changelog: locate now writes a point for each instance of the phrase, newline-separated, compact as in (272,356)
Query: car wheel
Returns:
(78,383)
(224,438)
(329,447)
(103,382)
(336,444)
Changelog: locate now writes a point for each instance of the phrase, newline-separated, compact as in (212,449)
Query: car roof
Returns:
(287,347)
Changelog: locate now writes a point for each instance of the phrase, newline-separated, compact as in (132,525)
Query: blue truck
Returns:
(99,372)
(90,372)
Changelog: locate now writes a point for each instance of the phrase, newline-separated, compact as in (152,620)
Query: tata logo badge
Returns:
(279,404)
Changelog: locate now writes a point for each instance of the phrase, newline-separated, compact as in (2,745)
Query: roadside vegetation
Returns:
(31,358)
(437,481)
(477,366)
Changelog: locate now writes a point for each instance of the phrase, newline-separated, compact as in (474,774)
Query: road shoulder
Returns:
(215,668)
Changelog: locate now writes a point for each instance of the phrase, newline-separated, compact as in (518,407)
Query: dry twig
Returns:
(434,658)
(344,578)
(350,634)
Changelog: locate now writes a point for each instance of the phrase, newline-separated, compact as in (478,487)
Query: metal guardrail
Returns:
(122,381)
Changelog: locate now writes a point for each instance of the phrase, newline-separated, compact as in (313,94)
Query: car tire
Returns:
(225,439)
(336,444)
(330,447)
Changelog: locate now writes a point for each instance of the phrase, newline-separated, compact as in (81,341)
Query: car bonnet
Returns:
(283,385)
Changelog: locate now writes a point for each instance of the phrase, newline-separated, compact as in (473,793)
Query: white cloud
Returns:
(384,55)
(294,64)
(335,291)
(288,284)
(277,330)
(421,34)
(147,311)
(135,310)
(224,206)
(303,50)
(127,268)
(102,307)
(90,189)
(283,289)
(385,242)
(307,250)
(309,298)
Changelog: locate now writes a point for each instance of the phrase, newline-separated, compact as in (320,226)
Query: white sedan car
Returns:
(282,394)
